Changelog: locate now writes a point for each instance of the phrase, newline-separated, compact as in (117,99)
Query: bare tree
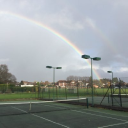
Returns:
(5,76)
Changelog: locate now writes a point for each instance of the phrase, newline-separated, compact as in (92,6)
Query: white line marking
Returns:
(113,125)
(19,109)
(105,113)
(43,118)
(51,121)
(99,115)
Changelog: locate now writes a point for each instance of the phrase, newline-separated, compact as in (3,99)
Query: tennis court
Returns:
(59,114)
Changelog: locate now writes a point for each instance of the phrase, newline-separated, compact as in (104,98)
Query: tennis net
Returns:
(18,108)
(118,99)
(123,97)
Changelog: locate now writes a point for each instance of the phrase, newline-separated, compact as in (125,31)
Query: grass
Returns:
(60,93)
(14,96)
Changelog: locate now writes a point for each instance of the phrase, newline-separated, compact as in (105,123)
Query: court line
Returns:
(106,113)
(51,121)
(19,109)
(99,115)
(84,112)
(43,118)
(76,111)
(113,125)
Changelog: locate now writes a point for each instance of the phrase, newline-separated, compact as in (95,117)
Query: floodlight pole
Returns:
(54,78)
(112,82)
(92,84)
(112,79)
(96,59)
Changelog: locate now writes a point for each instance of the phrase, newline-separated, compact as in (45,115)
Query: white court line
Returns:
(113,125)
(19,109)
(86,113)
(89,110)
(51,121)
(99,115)
(105,113)
(44,118)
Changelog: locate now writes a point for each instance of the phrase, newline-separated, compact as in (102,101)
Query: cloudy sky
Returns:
(98,28)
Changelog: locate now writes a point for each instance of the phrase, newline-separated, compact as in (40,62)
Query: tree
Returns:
(97,82)
(90,82)
(115,80)
(77,78)
(5,76)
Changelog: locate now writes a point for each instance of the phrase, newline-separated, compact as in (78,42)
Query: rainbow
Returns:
(104,38)
(53,32)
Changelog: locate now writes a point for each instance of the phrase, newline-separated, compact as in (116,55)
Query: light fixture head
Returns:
(58,67)
(109,71)
(85,56)
(48,66)
(96,58)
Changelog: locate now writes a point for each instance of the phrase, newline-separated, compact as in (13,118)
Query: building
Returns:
(73,83)
(27,84)
(62,83)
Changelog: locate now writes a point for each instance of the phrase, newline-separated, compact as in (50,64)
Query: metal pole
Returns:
(77,92)
(120,93)
(111,92)
(92,83)
(49,93)
(65,92)
(56,87)
(112,82)
(53,80)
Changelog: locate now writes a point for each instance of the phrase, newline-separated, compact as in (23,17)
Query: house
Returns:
(27,84)
(62,83)
(82,84)
(46,83)
(95,86)
(17,84)
(73,83)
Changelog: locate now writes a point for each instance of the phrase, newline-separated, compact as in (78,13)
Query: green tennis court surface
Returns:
(59,115)
(17,108)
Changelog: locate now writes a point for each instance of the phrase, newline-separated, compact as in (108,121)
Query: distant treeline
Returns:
(11,88)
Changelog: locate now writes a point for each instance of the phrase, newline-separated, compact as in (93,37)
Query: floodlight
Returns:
(85,56)
(96,58)
(48,66)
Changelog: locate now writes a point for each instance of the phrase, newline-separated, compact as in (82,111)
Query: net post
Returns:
(108,97)
(87,102)
(30,107)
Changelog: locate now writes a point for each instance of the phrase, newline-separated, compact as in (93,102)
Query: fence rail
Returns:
(7,92)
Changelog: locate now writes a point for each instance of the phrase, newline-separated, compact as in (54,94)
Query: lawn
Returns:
(59,93)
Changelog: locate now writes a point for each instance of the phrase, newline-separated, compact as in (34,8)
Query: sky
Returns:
(39,33)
